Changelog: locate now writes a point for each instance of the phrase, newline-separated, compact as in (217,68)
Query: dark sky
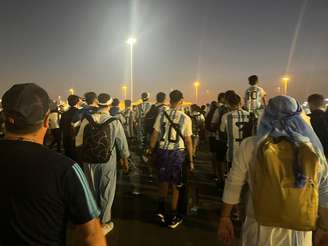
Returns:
(62,43)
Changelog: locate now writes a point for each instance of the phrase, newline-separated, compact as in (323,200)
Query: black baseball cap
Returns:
(176,96)
(25,106)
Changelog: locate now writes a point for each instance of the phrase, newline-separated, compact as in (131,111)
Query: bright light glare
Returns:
(196,83)
(131,41)
(285,79)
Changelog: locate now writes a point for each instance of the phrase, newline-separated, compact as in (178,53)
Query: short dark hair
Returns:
(317,100)
(127,103)
(90,97)
(73,100)
(176,96)
(116,102)
(233,100)
(160,97)
(253,80)
(221,96)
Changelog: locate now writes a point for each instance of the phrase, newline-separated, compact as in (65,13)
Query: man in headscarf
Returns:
(283,118)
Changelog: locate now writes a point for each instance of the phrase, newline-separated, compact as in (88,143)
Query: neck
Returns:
(33,137)
(104,110)
(174,105)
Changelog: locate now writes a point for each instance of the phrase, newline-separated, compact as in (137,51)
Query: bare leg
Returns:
(164,190)
(175,198)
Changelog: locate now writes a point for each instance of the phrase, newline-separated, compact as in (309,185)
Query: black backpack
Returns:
(151,116)
(97,141)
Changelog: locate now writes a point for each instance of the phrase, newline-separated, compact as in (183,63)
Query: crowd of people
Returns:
(59,165)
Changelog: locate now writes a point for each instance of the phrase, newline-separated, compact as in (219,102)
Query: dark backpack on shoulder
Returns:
(151,116)
(250,128)
(97,142)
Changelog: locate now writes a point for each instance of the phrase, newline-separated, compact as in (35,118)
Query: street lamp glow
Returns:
(131,41)
(124,91)
(196,85)
(285,81)
(71,91)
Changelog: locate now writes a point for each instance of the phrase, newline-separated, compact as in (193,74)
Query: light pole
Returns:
(124,92)
(131,41)
(285,81)
(196,85)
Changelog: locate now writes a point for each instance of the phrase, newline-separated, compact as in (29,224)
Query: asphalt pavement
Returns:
(136,224)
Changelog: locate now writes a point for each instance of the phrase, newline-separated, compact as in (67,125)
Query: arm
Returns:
(235,181)
(188,143)
(122,146)
(88,234)
(153,140)
(187,133)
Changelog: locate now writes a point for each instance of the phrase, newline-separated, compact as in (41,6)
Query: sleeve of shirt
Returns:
(79,200)
(215,118)
(223,123)
(238,173)
(121,142)
(79,136)
(157,125)
(187,129)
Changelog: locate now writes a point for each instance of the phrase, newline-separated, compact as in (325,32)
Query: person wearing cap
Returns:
(41,190)
(67,126)
(105,174)
(172,134)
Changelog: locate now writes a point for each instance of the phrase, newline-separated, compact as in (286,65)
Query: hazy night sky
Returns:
(81,44)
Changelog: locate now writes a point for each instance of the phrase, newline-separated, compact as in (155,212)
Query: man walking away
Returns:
(173,130)
(128,122)
(142,110)
(154,111)
(115,110)
(286,170)
(54,119)
(104,174)
(319,119)
(41,190)
(220,140)
(67,128)
(233,124)
(255,97)
(198,123)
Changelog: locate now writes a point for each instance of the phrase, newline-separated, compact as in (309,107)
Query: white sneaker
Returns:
(107,228)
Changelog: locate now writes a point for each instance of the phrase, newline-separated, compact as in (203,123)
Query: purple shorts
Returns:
(170,163)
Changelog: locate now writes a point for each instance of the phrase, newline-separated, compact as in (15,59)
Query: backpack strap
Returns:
(173,125)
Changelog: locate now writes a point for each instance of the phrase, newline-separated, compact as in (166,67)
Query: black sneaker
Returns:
(175,222)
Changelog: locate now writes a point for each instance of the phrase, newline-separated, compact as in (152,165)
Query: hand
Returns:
(125,165)
(226,229)
(191,168)
(320,237)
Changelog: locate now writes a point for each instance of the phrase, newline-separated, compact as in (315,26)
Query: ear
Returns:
(46,121)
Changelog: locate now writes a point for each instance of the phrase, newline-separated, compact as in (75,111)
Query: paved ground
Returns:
(136,225)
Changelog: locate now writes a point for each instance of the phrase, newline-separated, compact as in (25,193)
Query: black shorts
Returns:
(221,150)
